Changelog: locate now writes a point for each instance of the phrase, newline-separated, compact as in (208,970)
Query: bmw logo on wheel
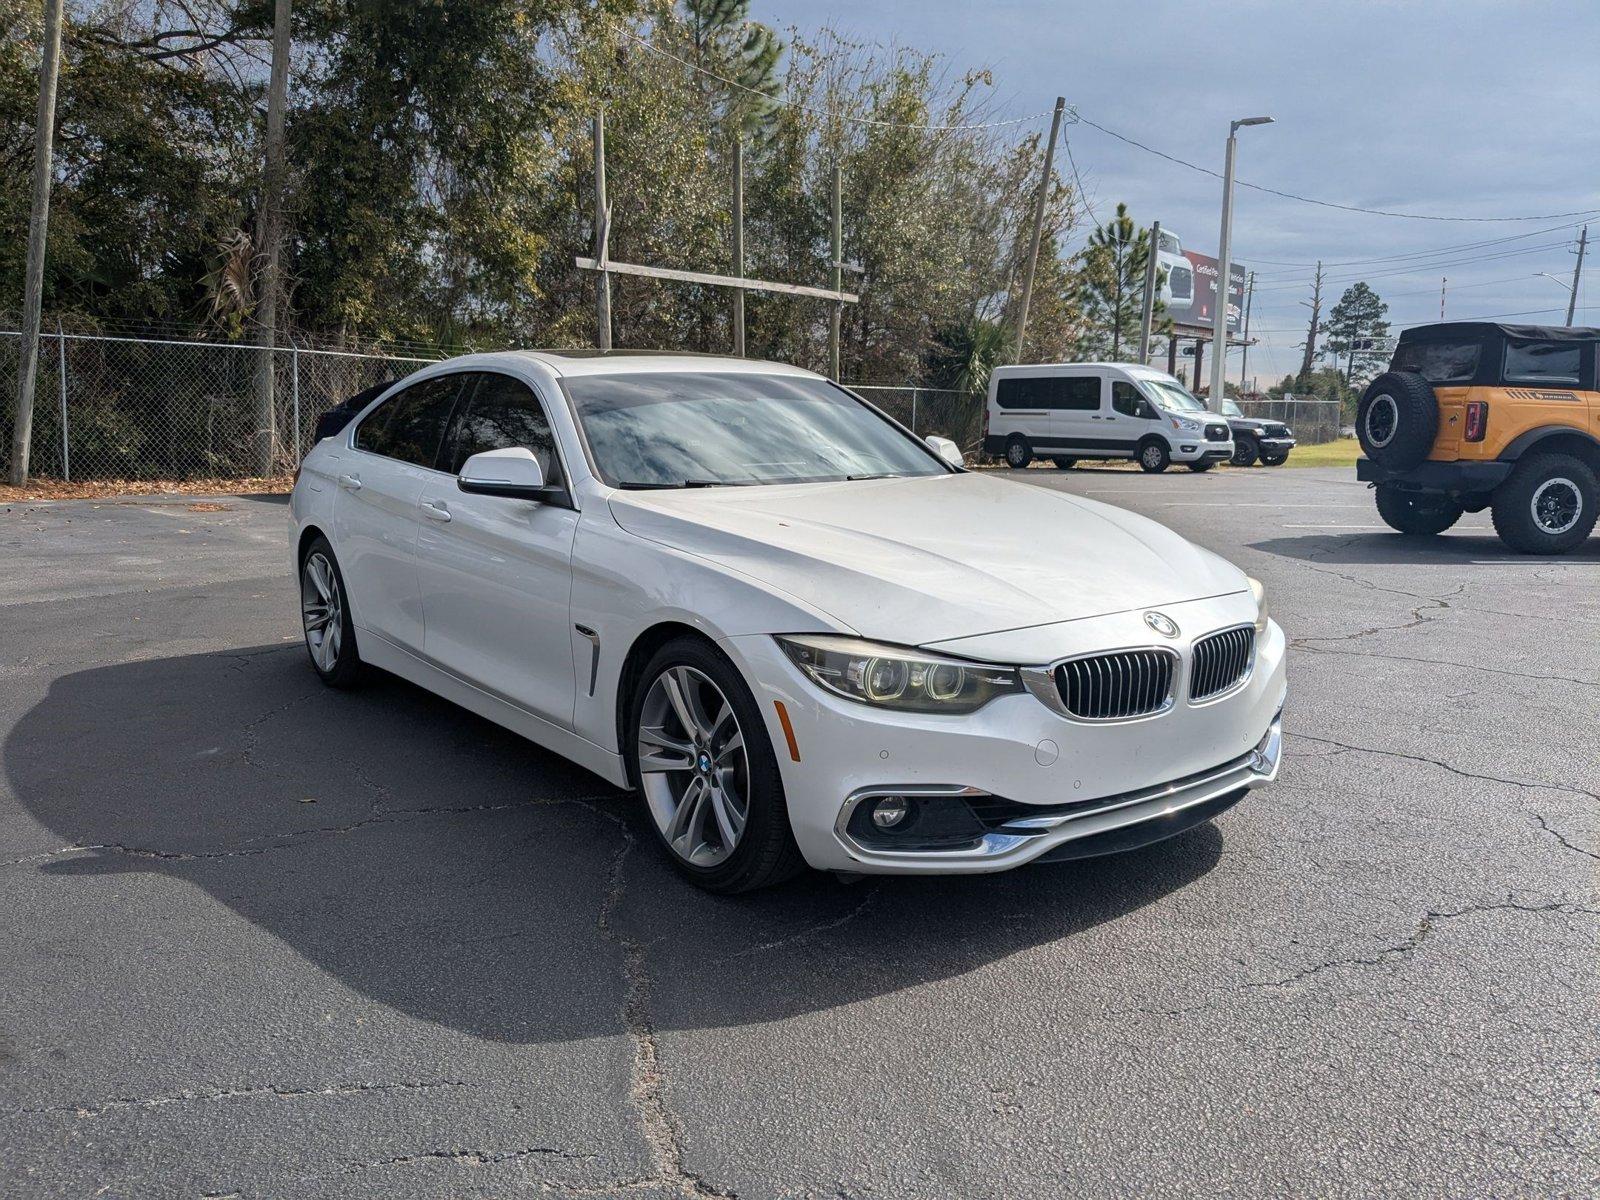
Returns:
(1162,624)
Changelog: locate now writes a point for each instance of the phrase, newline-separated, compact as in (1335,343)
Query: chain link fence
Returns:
(116,408)
(1313,421)
(955,415)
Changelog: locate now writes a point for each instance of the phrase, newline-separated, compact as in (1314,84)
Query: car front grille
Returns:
(1277,431)
(1221,662)
(1113,687)
(1216,433)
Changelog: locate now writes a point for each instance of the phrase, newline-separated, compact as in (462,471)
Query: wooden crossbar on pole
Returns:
(735,281)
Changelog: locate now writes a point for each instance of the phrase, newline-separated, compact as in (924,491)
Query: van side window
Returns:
(1080,393)
(1541,362)
(1057,392)
(1125,399)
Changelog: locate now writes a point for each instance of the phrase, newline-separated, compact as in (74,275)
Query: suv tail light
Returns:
(1477,420)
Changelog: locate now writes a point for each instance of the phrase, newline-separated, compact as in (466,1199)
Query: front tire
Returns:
(1274,460)
(699,755)
(1547,505)
(330,632)
(1154,457)
(1018,453)
(1245,451)
(1416,512)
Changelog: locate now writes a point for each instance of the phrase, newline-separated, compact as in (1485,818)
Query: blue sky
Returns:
(1460,109)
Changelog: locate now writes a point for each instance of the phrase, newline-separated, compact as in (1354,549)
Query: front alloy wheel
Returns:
(693,766)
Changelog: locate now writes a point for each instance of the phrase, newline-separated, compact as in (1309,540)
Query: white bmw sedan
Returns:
(799,633)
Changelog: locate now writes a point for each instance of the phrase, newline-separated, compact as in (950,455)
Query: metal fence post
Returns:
(913,410)
(294,385)
(66,460)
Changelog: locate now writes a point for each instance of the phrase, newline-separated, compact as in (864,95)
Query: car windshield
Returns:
(705,429)
(1171,395)
(1230,407)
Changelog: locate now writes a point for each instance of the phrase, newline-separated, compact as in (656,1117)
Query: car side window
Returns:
(1542,362)
(1126,400)
(502,412)
(410,425)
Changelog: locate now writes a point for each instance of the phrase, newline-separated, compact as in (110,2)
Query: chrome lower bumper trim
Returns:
(1023,839)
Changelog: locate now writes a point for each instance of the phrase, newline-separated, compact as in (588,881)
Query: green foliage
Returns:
(1353,328)
(1111,288)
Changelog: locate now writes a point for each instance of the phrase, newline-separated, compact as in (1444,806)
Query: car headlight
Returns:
(896,676)
(1187,424)
(1260,593)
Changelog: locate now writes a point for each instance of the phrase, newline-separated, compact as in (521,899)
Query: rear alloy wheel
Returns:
(1018,453)
(1547,505)
(705,766)
(1416,512)
(324,615)
(1245,451)
(1153,457)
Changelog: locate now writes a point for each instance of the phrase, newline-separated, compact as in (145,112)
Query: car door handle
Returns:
(350,483)
(435,511)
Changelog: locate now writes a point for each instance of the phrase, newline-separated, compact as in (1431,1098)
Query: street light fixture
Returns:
(1565,286)
(1219,317)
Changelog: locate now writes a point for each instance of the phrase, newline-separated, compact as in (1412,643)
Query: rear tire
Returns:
(1547,505)
(1154,457)
(1274,460)
(1200,468)
(330,632)
(1398,419)
(1064,464)
(1416,512)
(1018,453)
(1245,451)
(721,770)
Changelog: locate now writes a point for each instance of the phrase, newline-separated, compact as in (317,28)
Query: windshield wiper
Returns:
(858,478)
(633,485)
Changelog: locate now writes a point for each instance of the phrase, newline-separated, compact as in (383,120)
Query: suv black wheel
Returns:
(1199,468)
(1397,420)
(1416,512)
(1274,460)
(1153,456)
(1547,505)
(698,752)
(325,616)
(1018,453)
(1245,451)
(1064,464)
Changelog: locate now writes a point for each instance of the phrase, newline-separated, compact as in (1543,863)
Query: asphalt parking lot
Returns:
(262,939)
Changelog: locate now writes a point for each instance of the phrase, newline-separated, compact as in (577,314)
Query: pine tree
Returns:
(1355,330)
(1111,286)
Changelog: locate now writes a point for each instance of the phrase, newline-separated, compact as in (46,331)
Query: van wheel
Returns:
(1018,453)
(1547,505)
(1064,464)
(1153,457)
(1416,512)
(1397,420)
(1245,451)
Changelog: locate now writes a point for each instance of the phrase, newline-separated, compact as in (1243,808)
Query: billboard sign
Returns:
(1190,290)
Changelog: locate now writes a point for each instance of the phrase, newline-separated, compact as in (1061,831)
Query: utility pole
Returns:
(1311,330)
(1244,358)
(271,240)
(602,237)
(836,316)
(1577,274)
(1038,226)
(1219,325)
(738,247)
(1443,280)
(38,220)
(1148,308)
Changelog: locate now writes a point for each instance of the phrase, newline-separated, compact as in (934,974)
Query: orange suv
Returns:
(1475,415)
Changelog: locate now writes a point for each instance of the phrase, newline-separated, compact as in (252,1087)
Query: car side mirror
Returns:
(513,473)
(947,450)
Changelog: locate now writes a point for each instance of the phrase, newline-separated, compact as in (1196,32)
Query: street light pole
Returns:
(1219,317)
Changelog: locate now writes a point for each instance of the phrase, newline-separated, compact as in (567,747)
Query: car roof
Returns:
(574,363)
(1078,366)
(1478,329)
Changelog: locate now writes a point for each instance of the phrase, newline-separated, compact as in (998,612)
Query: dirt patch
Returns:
(55,489)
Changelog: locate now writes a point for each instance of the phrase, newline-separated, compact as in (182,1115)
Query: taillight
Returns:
(1477,420)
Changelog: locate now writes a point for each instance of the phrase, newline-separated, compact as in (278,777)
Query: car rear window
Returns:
(1438,362)
(1542,362)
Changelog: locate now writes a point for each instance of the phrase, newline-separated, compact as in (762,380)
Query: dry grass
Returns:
(106,489)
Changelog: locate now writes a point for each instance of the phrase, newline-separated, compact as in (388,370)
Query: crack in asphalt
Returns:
(1346,747)
(1561,837)
(1299,644)
(809,931)
(479,1158)
(1418,617)
(1404,949)
(273,1090)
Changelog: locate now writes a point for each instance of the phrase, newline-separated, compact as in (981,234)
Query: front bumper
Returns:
(1059,781)
(1199,450)
(1281,445)
(1456,478)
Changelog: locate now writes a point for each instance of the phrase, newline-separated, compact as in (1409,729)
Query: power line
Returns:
(1380,258)
(1066,144)
(1420,268)
(1355,208)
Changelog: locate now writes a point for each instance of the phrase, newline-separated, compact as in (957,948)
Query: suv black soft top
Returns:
(1462,330)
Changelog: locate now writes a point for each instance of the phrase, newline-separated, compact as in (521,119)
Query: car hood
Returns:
(924,560)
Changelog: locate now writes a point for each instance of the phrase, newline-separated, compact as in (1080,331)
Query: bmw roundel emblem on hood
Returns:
(1162,624)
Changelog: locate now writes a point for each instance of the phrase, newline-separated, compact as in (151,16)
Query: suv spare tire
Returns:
(1398,419)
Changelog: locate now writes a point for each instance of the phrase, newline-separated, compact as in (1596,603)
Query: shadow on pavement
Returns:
(1386,548)
(441,866)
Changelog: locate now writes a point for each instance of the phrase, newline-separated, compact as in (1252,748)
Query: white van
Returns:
(1068,411)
